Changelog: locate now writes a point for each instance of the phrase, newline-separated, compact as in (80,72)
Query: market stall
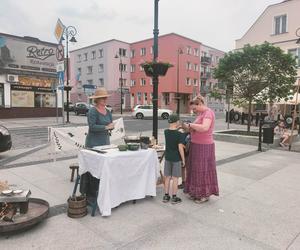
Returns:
(124,175)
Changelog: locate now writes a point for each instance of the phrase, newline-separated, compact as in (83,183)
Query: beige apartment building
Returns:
(277,25)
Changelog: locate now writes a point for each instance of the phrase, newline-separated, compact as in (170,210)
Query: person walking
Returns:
(202,181)
(173,159)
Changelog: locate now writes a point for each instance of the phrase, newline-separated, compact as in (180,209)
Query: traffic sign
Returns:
(61,78)
(124,91)
(60,67)
(60,52)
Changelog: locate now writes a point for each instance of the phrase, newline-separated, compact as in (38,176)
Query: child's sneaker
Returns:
(175,200)
(166,198)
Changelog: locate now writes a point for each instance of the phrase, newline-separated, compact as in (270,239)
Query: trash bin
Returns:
(268,131)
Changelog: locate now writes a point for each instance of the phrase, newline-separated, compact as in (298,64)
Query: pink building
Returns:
(184,77)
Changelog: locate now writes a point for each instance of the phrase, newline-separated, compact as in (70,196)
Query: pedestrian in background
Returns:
(201,180)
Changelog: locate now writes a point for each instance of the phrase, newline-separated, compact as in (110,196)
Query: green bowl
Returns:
(122,147)
(133,146)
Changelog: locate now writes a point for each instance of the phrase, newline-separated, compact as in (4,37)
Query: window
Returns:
(188,81)
(101,82)
(188,66)
(79,84)
(143,51)
(142,81)
(101,68)
(188,50)
(132,53)
(132,83)
(78,58)
(151,50)
(196,67)
(139,99)
(93,54)
(122,52)
(1,95)
(145,98)
(141,68)
(167,98)
(196,52)
(90,82)
(85,56)
(124,82)
(132,68)
(151,81)
(195,82)
(79,71)
(295,54)
(280,24)
(100,53)
(90,69)
(122,67)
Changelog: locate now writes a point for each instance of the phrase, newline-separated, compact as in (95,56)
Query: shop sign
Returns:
(27,55)
(30,88)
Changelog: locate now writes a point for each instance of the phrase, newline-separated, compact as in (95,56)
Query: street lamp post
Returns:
(179,52)
(155,76)
(297,93)
(69,31)
(121,82)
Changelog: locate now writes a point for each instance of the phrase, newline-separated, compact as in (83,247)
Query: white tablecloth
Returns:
(124,176)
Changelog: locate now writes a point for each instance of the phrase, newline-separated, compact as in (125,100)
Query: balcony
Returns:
(205,60)
(205,75)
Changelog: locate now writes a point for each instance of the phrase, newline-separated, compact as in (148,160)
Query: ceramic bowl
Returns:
(122,147)
(133,146)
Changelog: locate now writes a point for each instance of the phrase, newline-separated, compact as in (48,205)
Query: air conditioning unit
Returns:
(12,78)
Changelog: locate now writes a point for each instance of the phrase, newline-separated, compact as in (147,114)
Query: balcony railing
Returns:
(205,75)
(205,60)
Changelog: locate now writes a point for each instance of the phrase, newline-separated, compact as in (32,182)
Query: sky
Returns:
(216,23)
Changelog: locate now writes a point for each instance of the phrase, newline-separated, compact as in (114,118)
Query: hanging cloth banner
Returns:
(73,138)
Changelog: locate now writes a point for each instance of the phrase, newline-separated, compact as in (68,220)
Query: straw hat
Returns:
(100,93)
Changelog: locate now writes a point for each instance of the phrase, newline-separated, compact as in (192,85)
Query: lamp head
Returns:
(73,40)
(298,41)
(116,56)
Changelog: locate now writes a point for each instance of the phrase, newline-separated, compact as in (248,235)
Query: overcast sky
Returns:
(216,23)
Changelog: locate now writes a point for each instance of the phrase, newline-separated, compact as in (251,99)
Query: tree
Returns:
(261,73)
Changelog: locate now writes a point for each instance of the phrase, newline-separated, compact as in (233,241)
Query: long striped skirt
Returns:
(202,180)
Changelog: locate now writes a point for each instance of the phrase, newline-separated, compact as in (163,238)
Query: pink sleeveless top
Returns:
(204,137)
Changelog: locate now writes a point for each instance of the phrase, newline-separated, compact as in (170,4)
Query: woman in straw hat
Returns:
(201,179)
(99,120)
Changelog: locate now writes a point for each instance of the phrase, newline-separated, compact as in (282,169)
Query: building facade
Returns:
(276,25)
(101,65)
(28,77)
(191,74)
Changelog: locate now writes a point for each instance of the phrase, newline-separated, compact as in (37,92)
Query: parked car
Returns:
(82,108)
(5,139)
(141,111)
(71,106)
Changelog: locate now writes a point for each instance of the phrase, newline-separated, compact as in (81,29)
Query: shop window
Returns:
(22,98)
(42,100)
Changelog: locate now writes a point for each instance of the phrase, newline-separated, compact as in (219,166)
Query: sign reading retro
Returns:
(27,54)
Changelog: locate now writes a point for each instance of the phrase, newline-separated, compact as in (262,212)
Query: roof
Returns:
(29,38)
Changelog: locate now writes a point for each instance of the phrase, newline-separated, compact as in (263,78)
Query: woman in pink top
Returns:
(202,180)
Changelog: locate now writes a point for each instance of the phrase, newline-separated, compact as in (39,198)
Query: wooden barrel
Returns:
(77,207)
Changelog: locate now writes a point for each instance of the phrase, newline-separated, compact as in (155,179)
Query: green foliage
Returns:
(261,73)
